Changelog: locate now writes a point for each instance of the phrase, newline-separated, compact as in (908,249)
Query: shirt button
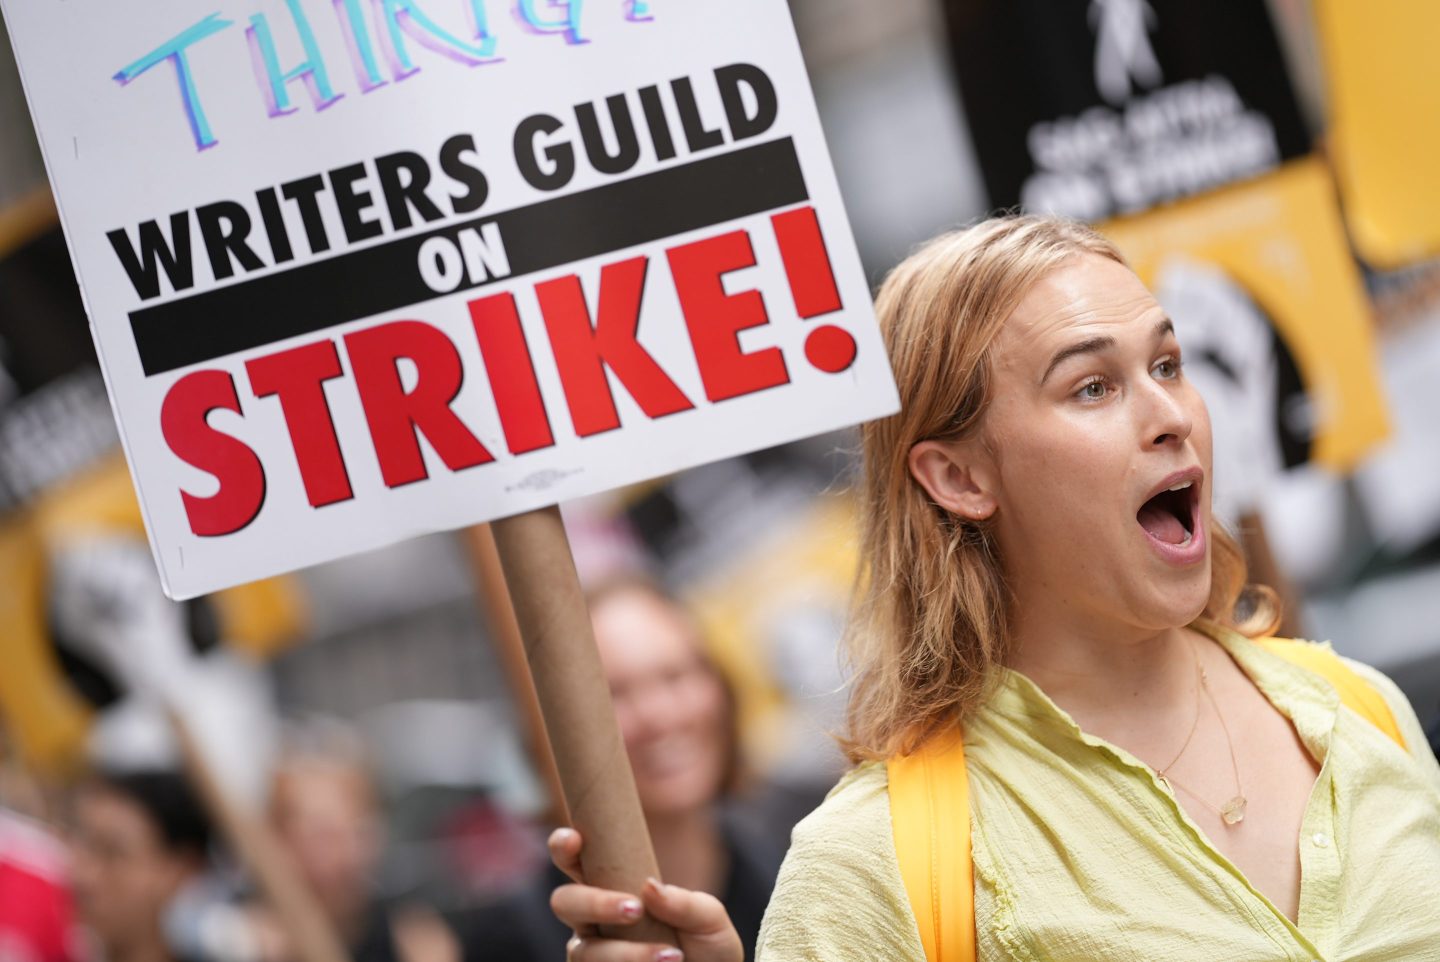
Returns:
(1321,840)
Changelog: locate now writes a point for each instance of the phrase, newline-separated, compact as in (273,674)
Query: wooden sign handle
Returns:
(579,718)
(309,934)
(479,543)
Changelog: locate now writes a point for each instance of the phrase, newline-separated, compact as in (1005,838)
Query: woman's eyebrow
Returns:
(1093,345)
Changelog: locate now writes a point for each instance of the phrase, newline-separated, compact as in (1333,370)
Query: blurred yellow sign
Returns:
(1280,240)
(772,620)
(1383,101)
(47,719)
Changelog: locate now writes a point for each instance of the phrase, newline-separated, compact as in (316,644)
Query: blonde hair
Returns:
(929,627)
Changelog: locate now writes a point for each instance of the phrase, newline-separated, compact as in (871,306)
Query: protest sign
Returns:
(358,271)
(1174,127)
(1382,95)
(1113,106)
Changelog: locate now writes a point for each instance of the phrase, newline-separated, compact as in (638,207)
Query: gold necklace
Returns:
(1233,811)
(1199,674)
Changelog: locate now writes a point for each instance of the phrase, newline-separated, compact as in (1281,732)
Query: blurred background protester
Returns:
(37,919)
(138,840)
(325,811)
(713,828)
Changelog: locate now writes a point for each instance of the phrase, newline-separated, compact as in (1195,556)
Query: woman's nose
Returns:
(1168,419)
(647,711)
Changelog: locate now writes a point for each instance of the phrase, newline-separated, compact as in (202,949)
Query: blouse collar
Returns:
(1308,701)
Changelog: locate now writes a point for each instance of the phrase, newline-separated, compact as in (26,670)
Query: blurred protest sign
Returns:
(1271,307)
(566,252)
(1176,128)
(1382,98)
(70,526)
(1112,106)
(773,616)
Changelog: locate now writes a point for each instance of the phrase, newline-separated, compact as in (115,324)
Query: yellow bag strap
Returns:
(930,817)
(930,809)
(1355,693)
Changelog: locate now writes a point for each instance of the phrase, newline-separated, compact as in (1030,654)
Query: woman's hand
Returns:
(698,918)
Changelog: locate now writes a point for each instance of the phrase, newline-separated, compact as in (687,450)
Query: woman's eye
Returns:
(1167,369)
(1093,391)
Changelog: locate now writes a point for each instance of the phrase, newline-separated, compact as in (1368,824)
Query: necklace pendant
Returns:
(1233,811)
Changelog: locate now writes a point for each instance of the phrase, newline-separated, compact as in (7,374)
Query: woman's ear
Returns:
(957,475)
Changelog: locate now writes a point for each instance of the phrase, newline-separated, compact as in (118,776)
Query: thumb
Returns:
(697,917)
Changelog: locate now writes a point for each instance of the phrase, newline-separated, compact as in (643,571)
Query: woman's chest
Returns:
(1250,799)
(1096,868)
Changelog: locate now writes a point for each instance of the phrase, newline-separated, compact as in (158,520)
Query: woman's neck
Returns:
(690,850)
(1111,679)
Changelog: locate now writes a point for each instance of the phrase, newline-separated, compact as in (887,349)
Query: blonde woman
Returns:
(1043,575)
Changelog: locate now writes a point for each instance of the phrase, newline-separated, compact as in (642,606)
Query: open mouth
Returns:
(1169,516)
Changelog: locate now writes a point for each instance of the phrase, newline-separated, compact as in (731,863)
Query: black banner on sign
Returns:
(1092,108)
(538,237)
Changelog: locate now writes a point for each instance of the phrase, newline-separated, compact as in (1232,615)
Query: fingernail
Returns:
(669,955)
(653,884)
(631,908)
(562,835)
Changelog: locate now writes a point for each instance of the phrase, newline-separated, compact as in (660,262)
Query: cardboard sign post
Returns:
(570,685)
(492,588)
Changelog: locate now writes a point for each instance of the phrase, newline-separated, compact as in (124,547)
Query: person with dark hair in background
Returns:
(138,839)
(676,715)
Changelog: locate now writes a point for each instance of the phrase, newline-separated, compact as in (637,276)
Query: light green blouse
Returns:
(1080,854)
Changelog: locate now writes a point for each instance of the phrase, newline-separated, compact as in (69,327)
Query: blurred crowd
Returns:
(147,864)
